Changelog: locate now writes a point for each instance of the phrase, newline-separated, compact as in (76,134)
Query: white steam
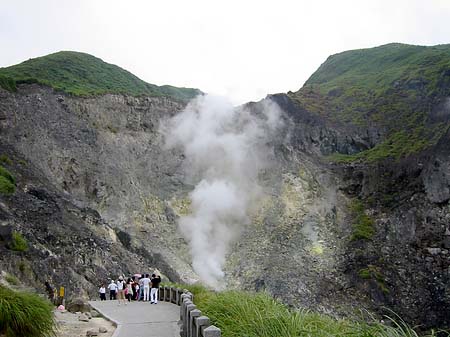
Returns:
(225,149)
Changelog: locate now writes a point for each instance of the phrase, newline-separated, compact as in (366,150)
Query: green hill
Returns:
(394,88)
(82,74)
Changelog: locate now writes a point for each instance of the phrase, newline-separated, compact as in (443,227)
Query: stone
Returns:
(102,329)
(83,318)
(434,251)
(79,305)
(91,332)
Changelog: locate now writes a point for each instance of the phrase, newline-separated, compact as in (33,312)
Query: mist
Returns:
(225,148)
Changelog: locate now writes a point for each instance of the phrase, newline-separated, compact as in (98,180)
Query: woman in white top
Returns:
(121,290)
(102,292)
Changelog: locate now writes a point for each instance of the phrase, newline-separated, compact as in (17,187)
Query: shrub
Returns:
(19,243)
(25,314)
(7,181)
(6,187)
(5,173)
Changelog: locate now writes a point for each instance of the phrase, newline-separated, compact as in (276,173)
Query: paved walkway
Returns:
(141,319)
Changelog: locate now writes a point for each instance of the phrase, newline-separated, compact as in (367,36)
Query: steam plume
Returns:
(225,149)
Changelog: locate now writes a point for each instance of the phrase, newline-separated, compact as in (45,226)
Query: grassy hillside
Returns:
(393,88)
(84,75)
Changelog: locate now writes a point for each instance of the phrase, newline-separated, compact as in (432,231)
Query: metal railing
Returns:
(192,322)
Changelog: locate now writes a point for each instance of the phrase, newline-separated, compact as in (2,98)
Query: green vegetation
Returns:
(7,182)
(82,74)
(374,273)
(5,159)
(8,83)
(246,314)
(19,244)
(25,314)
(391,87)
(11,279)
(363,225)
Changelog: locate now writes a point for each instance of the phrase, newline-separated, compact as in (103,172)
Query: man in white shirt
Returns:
(112,290)
(146,285)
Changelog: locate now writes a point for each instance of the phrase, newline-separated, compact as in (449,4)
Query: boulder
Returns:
(79,304)
(102,329)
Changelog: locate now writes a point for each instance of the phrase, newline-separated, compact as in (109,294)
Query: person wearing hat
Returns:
(121,290)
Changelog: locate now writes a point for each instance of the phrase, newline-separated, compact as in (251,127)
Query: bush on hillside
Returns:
(7,181)
(25,314)
(19,244)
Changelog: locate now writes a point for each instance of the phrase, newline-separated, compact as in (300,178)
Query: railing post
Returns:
(187,302)
(212,331)
(201,322)
(189,308)
(167,293)
(192,321)
(179,293)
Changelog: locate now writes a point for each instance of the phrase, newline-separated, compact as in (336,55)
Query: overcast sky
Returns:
(236,48)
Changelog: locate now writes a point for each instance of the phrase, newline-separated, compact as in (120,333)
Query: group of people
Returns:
(137,288)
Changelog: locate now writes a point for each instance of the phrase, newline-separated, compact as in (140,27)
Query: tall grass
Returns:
(242,314)
(25,314)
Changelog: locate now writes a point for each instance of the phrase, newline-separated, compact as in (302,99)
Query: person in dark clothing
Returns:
(156,280)
(50,291)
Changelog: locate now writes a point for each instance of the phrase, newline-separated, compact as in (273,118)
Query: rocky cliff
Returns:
(356,210)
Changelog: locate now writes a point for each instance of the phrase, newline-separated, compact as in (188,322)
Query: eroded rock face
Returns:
(106,153)
(97,191)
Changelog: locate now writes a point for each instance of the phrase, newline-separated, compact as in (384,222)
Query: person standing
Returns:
(146,286)
(141,288)
(112,290)
(129,290)
(102,292)
(156,280)
(121,290)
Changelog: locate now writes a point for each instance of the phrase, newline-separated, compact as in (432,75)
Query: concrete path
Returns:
(141,319)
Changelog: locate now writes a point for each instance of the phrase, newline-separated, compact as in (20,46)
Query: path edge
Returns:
(116,323)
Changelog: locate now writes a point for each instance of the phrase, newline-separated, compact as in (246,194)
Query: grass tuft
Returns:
(25,314)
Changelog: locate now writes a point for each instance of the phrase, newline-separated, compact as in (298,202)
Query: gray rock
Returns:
(102,329)
(79,305)
(91,332)
(83,318)
(434,251)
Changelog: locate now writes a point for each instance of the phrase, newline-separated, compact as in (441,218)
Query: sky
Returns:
(241,49)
